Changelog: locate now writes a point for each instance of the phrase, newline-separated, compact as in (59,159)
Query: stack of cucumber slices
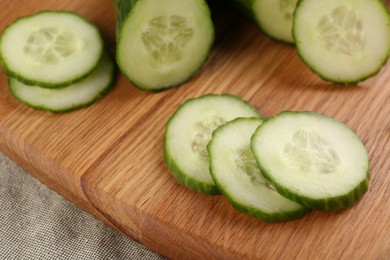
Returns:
(343,41)
(56,61)
(274,169)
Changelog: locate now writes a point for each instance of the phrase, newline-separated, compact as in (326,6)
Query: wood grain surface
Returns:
(108,158)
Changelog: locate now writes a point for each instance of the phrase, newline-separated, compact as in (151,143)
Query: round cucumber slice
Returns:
(343,41)
(236,174)
(188,132)
(50,49)
(161,44)
(75,96)
(312,159)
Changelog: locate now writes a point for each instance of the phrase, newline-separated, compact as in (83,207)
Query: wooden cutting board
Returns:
(108,158)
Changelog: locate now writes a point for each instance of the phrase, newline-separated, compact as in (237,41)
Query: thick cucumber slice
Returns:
(236,174)
(343,41)
(161,44)
(50,49)
(312,159)
(188,132)
(77,95)
(274,17)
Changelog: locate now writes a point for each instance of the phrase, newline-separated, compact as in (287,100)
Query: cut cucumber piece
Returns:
(161,44)
(236,174)
(343,41)
(188,132)
(122,10)
(43,49)
(75,96)
(274,17)
(312,159)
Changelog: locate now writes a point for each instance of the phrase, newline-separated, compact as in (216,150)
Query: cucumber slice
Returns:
(43,49)
(75,96)
(274,17)
(188,132)
(312,159)
(343,41)
(236,174)
(161,44)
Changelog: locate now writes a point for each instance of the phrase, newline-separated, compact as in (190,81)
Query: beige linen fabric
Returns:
(36,223)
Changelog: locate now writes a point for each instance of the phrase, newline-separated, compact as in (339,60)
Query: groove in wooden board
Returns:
(89,133)
(165,215)
(179,213)
(30,121)
(20,156)
(60,155)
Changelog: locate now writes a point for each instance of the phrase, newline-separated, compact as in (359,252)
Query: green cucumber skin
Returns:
(208,189)
(246,8)
(123,12)
(267,217)
(43,84)
(270,218)
(187,181)
(330,79)
(100,95)
(329,204)
(191,183)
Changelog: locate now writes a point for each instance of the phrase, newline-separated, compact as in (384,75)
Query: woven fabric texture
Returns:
(36,223)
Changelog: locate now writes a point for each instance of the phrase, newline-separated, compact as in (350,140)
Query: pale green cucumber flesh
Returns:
(50,49)
(275,17)
(236,174)
(162,44)
(188,132)
(312,159)
(343,41)
(72,97)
